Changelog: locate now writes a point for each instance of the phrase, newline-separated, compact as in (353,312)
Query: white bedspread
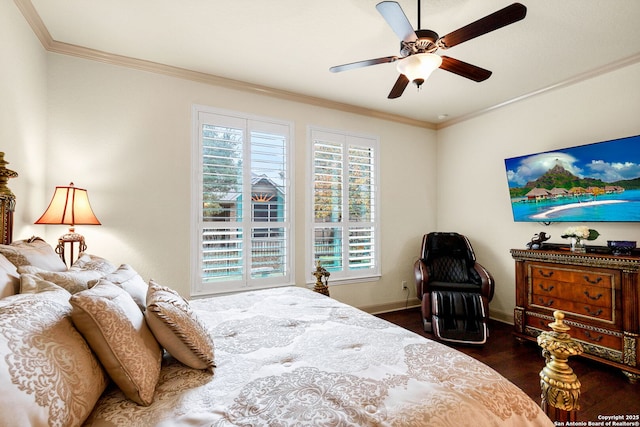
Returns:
(292,357)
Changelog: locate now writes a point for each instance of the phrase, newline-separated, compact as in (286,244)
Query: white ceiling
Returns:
(290,44)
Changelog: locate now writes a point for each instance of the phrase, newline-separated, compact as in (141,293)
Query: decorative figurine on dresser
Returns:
(597,291)
(538,240)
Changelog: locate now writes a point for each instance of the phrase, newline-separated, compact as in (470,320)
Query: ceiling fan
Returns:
(417,48)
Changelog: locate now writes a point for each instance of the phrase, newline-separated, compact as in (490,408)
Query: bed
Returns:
(98,345)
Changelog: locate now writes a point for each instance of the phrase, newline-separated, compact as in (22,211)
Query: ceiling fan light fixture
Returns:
(419,67)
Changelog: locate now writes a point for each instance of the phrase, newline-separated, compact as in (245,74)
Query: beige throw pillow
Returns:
(32,284)
(33,251)
(48,374)
(34,287)
(115,328)
(177,328)
(73,281)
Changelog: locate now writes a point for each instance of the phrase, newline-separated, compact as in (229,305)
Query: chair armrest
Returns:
(488,284)
(421,272)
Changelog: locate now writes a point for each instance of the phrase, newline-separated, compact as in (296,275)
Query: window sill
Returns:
(229,291)
(348,280)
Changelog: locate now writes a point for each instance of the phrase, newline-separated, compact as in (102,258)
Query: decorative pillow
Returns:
(72,281)
(177,328)
(129,280)
(37,288)
(114,327)
(9,278)
(33,251)
(32,284)
(48,374)
(87,261)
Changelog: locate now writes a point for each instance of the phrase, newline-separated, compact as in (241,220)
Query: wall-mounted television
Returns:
(587,183)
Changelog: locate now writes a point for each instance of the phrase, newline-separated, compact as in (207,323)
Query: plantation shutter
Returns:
(243,207)
(344,204)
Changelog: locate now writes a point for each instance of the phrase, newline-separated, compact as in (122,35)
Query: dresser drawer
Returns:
(591,335)
(574,308)
(584,294)
(598,277)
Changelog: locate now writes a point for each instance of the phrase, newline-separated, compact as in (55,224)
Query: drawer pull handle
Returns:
(596,298)
(547,289)
(592,313)
(546,304)
(596,281)
(545,274)
(596,339)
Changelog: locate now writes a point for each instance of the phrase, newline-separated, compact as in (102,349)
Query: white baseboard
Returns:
(391,306)
(414,302)
(501,316)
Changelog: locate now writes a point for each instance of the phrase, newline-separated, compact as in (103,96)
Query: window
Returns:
(344,204)
(241,202)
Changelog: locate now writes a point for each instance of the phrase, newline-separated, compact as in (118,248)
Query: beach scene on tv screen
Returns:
(594,182)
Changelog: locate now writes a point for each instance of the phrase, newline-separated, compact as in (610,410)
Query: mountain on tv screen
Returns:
(588,183)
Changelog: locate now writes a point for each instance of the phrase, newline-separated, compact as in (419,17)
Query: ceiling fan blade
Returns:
(397,20)
(464,69)
(360,64)
(499,19)
(398,87)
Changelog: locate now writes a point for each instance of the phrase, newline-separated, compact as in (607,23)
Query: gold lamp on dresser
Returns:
(70,206)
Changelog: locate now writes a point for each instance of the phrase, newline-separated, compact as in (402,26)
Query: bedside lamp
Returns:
(69,205)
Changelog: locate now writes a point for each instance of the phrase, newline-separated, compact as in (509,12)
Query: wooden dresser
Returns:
(598,293)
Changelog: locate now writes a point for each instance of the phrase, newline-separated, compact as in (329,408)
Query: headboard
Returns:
(7,202)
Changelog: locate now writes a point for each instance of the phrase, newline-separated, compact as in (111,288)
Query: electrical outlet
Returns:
(404,285)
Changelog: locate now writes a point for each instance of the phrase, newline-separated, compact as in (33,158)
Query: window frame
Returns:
(346,138)
(248,223)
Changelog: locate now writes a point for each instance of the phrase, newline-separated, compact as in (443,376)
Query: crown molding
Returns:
(35,22)
(607,68)
(51,45)
(40,30)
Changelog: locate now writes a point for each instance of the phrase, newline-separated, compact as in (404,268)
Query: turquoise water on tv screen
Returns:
(619,207)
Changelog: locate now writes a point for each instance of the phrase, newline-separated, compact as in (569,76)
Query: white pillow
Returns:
(9,278)
(129,280)
(87,261)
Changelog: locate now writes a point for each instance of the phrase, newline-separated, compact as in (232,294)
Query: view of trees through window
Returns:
(245,229)
(344,195)
(243,204)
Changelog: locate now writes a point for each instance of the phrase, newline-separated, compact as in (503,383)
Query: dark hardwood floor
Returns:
(605,390)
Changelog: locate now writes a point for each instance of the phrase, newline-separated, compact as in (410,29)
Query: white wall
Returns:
(125,135)
(473,194)
(23,114)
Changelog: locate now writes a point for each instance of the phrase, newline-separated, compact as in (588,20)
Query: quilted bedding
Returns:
(292,357)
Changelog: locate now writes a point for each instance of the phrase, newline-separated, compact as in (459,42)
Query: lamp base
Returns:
(71,239)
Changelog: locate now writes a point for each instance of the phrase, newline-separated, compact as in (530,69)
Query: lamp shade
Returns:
(70,206)
(419,67)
